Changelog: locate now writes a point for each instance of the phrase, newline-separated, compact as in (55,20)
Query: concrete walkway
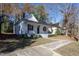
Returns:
(56,44)
(41,50)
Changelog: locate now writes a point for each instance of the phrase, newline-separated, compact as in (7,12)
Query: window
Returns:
(44,28)
(30,27)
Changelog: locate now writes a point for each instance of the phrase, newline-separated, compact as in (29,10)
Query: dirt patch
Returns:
(60,37)
(69,50)
(41,41)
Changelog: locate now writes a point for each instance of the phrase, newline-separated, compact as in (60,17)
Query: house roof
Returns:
(34,20)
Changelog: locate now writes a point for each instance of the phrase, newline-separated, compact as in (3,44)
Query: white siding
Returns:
(53,30)
(23,28)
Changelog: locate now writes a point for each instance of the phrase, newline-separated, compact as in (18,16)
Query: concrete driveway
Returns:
(41,50)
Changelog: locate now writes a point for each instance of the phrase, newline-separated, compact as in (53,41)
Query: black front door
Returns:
(38,29)
(30,27)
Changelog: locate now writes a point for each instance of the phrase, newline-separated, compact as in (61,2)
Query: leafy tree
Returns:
(5,24)
(40,13)
(7,8)
(58,32)
(27,8)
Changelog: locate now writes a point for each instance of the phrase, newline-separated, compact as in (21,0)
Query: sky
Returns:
(54,14)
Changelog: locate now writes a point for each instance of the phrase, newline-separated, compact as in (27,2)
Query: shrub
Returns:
(37,36)
(51,35)
(58,32)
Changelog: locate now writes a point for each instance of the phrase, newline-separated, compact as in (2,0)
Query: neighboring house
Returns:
(53,29)
(31,26)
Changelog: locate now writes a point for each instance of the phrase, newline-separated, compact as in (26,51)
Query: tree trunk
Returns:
(66,32)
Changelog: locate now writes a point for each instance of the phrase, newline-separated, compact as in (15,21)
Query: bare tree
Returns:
(69,12)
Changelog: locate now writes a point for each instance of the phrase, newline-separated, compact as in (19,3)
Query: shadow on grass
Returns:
(7,47)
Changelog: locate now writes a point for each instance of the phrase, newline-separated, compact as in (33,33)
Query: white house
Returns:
(31,25)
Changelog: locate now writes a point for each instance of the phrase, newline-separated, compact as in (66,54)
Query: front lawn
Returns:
(41,41)
(12,44)
(69,50)
(60,37)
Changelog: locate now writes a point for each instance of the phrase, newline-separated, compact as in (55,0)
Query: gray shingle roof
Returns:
(35,21)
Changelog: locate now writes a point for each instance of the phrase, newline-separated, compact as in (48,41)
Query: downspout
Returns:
(14,26)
